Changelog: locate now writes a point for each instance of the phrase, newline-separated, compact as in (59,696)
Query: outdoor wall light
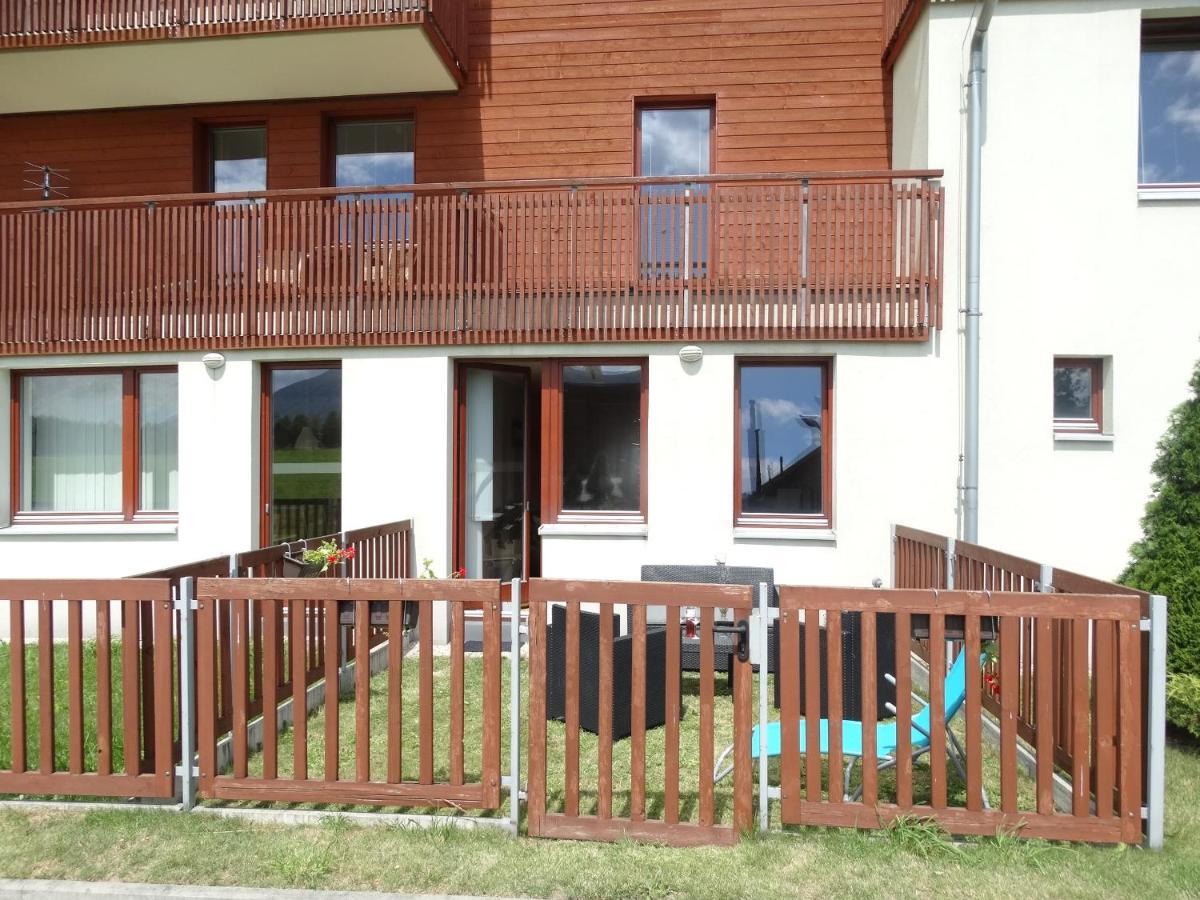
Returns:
(213,361)
(691,354)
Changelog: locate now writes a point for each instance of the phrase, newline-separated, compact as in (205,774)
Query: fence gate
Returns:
(631,676)
(296,666)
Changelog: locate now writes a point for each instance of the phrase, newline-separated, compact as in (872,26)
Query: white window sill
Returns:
(1083,437)
(796,535)
(1183,193)
(105,529)
(594,529)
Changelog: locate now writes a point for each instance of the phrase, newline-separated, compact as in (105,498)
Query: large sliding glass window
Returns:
(674,141)
(598,445)
(98,445)
(305,456)
(1169,127)
(783,422)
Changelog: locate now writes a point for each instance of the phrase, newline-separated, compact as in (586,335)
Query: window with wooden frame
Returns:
(594,441)
(237,158)
(1169,103)
(100,445)
(783,474)
(1078,395)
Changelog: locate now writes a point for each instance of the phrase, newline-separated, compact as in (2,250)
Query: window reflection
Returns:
(1169,134)
(781,424)
(306,453)
(675,141)
(602,427)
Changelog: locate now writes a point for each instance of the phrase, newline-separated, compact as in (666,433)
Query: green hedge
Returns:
(1167,558)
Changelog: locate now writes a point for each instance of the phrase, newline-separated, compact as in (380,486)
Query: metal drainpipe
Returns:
(971,349)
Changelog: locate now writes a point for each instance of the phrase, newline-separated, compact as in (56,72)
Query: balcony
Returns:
(60,55)
(755,257)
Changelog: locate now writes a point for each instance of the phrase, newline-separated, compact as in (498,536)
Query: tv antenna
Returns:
(51,182)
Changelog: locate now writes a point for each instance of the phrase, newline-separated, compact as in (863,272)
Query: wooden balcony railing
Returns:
(721,257)
(898,18)
(43,23)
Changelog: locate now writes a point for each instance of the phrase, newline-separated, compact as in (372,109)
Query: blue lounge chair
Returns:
(885,734)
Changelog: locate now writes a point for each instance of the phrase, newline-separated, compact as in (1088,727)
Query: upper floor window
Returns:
(674,140)
(1169,132)
(99,444)
(372,153)
(237,159)
(1078,395)
(594,420)
(784,440)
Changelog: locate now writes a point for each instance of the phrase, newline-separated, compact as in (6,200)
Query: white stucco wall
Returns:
(1073,264)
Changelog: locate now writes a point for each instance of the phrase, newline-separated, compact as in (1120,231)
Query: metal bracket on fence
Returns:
(1156,723)
(1046,580)
(951,563)
(764,788)
(187,772)
(514,707)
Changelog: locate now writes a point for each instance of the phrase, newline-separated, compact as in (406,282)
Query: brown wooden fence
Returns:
(1107,809)
(728,257)
(49,23)
(282,605)
(123,746)
(1083,655)
(569,822)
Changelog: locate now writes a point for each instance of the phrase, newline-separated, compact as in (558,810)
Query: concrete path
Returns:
(27,889)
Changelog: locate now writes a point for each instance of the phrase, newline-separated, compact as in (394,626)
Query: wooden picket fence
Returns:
(137,683)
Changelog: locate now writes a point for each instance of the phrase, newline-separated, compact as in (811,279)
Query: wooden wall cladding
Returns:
(798,86)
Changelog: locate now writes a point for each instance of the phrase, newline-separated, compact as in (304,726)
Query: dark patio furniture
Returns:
(725,644)
(885,663)
(589,673)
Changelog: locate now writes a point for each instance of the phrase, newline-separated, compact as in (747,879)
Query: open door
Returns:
(495,531)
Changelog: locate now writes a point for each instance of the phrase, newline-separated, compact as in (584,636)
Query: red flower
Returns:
(461,573)
(348,553)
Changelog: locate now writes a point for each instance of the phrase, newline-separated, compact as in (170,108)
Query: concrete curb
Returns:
(27,889)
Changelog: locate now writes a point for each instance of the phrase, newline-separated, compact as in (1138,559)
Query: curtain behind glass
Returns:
(159,441)
(71,443)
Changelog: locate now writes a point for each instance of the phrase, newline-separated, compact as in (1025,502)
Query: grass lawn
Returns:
(910,860)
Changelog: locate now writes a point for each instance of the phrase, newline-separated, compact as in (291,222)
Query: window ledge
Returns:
(1183,192)
(594,529)
(1082,437)
(105,529)
(806,535)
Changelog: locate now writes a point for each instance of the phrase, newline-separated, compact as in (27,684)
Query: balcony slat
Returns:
(770,259)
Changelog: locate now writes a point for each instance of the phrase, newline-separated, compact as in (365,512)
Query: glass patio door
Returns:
(495,513)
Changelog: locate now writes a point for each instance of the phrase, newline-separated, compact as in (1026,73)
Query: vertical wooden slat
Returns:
(1045,685)
(104,758)
(425,714)
(571,693)
(637,717)
(296,623)
(333,749)
(789,714)
(1080,718)
(536,785)
(129,686)
(75,686)
(457,650)
(270,688)
(490,750)
(904,729)
(743,806)
(16,684)
(240,651)
(604,738)
(812,704)
(1105,717)
(707,713)
(973,746)
(937,710)
(1008,713)
(206,693)
(46,687)
(833,669)
(1130,745)
(162,739)
(672,709)
(395,733)
(362,691)
(870,713)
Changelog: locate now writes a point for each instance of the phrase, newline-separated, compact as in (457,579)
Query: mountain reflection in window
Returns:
(781,424)
(602,433)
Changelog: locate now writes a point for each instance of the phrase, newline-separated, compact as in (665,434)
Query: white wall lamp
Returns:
(691,354)
(213,361)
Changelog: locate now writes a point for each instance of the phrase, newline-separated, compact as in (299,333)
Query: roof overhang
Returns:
(281,66)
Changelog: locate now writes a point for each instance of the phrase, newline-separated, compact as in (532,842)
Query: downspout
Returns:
(971,326)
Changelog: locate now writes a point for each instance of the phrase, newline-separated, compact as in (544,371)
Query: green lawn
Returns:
(910,860)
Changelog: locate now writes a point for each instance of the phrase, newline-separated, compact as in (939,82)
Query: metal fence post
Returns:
(764,667)
(1156,726)
(514,706)
(185,604)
